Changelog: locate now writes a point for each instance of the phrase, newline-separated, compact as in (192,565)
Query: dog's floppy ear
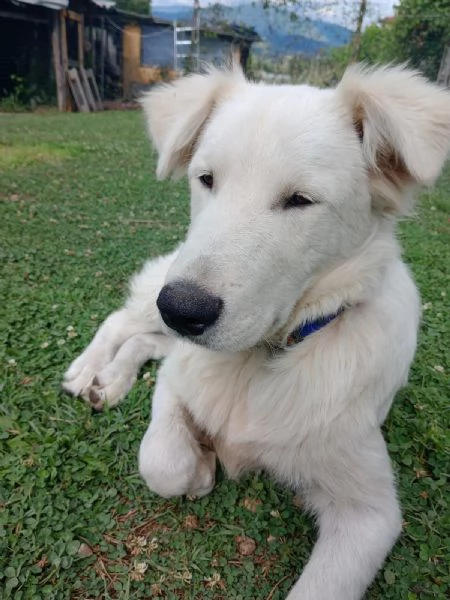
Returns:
(176,114)
(403,122)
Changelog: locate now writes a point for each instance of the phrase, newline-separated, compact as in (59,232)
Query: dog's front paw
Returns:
(173,464)
(76,385)
(79,377)
(109,387)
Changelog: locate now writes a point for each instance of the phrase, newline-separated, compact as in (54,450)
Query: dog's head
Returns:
(286,182)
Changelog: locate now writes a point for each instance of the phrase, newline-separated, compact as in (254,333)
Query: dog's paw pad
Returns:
(97,398)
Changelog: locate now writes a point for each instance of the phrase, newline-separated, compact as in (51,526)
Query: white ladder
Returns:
(183,48)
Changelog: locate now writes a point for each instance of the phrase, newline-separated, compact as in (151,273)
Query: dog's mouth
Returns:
(190,311)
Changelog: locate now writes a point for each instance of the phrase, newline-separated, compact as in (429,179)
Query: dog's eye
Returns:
(207,180)
(297,200)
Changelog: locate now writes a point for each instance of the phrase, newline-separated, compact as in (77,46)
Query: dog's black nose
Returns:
(187,308)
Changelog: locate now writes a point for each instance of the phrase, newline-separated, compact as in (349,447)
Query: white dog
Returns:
(291,315)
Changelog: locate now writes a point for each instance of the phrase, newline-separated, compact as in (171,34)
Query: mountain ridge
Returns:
(283,31)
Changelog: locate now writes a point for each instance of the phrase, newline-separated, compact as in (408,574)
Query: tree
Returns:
(421,31)
(356,43)
(141,7)
(377,44)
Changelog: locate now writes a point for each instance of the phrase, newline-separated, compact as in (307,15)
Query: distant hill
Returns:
(173,12)
(283,30)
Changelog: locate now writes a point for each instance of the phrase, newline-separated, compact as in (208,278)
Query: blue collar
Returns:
(309,327)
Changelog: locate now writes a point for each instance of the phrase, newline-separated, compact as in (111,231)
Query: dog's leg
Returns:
(359,521)
(139,316)
(115,380)
(117,329)
(171,459)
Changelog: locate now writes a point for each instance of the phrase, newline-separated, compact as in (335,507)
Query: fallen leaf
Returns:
(251,504)
(84,550)
(246,545)
(191,522)
(43,562)
(298,501)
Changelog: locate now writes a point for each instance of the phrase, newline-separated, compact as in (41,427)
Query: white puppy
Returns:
(296,316)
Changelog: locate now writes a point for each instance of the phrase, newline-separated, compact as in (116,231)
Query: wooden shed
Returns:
(149,49)
(25,47)
(42,42)
(88,51)
(147,52)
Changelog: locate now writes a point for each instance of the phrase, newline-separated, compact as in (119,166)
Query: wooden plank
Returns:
(60,76)
(94,88)
(87,89)
(77,91)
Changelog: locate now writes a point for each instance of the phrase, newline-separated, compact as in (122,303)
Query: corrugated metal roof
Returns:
(59,4)
(55,4)
(104,3)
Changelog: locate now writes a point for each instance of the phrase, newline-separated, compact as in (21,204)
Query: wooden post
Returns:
(81,42)
(102,59)
(65,59)
(60,76)
(93,42)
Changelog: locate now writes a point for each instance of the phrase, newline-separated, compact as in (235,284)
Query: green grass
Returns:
(80,211)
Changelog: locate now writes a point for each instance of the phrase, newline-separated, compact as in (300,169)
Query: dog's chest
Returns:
(249,398)
(213,387)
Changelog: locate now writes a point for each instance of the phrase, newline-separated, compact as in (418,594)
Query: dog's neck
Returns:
(349,284)
(304,330)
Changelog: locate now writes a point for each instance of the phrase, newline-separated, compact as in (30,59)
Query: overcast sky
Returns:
(331,10)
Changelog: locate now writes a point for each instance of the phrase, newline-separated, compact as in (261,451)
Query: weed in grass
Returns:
(80,211)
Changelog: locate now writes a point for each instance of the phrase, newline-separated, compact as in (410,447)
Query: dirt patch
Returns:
(20,155)
(121,105)
(15,198)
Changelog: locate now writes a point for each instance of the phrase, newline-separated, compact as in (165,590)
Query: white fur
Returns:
(309,414)
(107,369)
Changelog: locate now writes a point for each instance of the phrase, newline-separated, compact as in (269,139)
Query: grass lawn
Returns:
(80,211)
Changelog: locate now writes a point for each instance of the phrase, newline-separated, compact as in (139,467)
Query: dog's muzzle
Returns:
(187,308)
